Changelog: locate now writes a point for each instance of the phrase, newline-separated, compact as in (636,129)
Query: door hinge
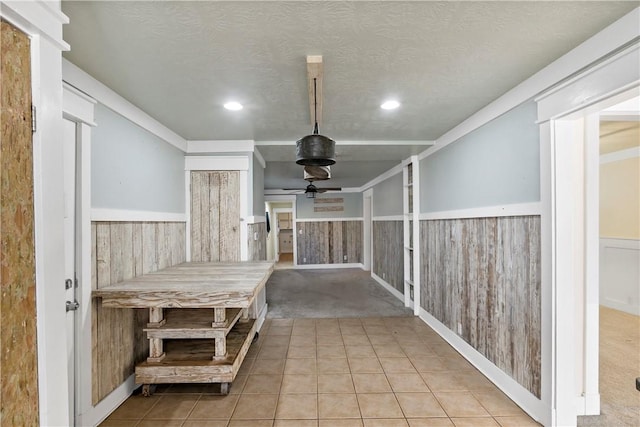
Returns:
(33,118)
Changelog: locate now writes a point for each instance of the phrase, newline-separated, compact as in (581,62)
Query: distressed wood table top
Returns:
(191,285)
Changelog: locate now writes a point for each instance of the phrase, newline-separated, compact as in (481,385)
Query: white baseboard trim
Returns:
(121,215)
(588,404)
(396,293)
(533,406)
(106,406)
(326,266)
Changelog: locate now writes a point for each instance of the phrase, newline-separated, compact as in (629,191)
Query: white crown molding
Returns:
(259,157)
(219,163)
(82,81)
(280,198)
(618,34)
(388,218)
(222,146)
(367,143)
(37,17)
(329,219)
(388,174)
(120,215)
(616,156)
(518,209)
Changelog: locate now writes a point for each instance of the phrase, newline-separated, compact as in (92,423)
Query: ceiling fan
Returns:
(311,190)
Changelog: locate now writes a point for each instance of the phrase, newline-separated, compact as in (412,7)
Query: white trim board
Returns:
(326,266)
(520,395)
(106,406)
(396,293)
(398,217)
(82,81)
(37,17)
(520,209)
(255,219)
(367,143)
(222,146)
(329,219)
(217,163)
(616,156)
(77,106)
(388,174)
(120,215)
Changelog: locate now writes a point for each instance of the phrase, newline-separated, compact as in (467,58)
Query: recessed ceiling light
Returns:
(233,106)
(390,105)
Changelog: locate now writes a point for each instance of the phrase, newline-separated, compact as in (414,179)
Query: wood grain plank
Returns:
(215,214)
(484,273)
(196,217)
(230,216)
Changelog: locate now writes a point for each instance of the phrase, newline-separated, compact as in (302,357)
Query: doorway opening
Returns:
(281,238)
(619,261)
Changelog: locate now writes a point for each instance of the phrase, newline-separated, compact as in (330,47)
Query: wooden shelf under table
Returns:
(189,361)
(188,323)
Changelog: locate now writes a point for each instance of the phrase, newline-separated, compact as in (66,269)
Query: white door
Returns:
(69,167)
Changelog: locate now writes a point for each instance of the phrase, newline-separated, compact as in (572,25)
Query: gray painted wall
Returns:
(132,169)
(352,206)
(387,197)
(497,164)
(258,188)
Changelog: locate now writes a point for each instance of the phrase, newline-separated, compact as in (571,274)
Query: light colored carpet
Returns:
(329,293)
(619,367)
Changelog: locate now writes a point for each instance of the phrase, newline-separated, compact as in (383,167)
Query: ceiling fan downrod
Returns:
(315,149)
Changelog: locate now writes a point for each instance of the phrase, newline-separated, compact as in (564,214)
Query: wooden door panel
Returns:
(215,216)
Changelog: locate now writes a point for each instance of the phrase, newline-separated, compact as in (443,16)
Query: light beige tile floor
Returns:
(337,372)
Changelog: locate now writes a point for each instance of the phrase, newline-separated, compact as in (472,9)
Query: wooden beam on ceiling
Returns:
(314,70)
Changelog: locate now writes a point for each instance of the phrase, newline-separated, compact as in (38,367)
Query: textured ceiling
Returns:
(180,61)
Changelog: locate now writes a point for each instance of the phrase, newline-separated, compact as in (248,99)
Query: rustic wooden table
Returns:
(198,330)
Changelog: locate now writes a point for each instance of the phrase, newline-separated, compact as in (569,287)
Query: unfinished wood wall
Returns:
(484,274)
(329,242)
(120,251)
(388,252)
(18,360)
(215,216)
(257,247)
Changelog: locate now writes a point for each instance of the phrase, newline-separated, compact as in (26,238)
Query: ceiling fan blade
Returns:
(323,190)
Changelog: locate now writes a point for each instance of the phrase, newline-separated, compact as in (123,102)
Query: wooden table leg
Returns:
(219,318)
(156,347)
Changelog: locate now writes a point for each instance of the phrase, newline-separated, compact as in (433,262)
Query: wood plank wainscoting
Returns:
(388,253)
(481,276)
(19,373)
(329,242)
(121,251)
(257,243)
